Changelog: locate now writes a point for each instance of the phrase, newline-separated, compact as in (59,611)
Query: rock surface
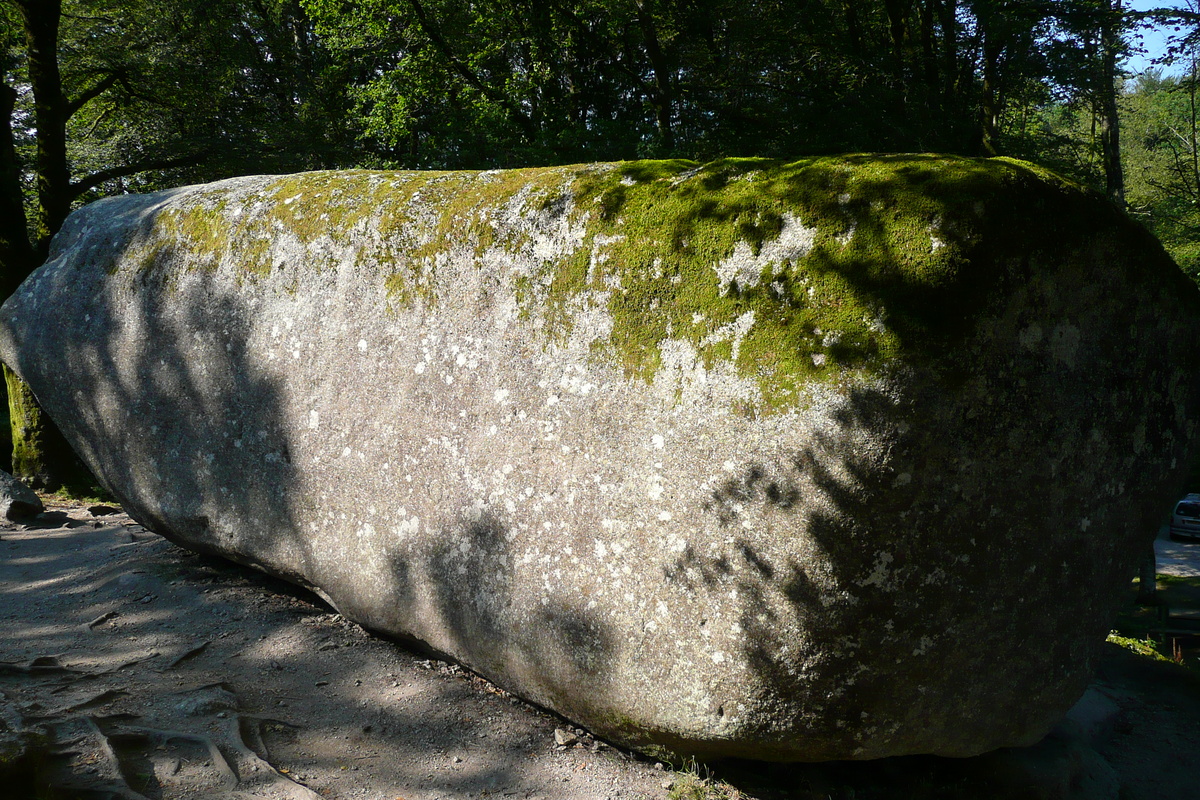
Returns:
(17,501)
(846,458)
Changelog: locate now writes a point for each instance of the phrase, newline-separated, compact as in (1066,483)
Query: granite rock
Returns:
(840,459)
(18,501)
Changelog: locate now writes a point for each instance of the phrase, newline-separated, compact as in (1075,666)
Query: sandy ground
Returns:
(156,673)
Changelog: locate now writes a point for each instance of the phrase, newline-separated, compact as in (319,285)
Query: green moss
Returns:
(892,242)
(372,210)
(891,237)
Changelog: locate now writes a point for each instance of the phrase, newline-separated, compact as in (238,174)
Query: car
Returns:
(1185,519)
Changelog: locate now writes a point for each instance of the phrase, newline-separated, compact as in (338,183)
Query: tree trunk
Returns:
(1148,578)
(1193,139)
(664,95)
(989,105)
(51,112)
(853,29)
(1106,111)
(928,48)
(947,10)
(17,257)
(41,456)
(897,11)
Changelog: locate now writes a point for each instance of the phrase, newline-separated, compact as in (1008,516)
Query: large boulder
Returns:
(839,459)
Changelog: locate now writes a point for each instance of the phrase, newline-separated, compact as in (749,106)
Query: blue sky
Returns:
(1154,40)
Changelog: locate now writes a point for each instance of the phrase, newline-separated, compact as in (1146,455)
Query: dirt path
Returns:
(161,674)
(1181,559)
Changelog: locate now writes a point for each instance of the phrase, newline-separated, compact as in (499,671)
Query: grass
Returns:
(1139,628)
(89,494)
(1175,581)
(694,781)
(1147,647)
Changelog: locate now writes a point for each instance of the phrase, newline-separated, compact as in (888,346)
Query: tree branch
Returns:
(91,94)
(456,64)
(96,178)
(1164,14)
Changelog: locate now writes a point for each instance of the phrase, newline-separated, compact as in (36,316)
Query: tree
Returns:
(1162,150)
(1148,577)
(40,454)
(1099,32)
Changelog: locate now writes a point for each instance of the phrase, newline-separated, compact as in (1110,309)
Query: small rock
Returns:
(14,739)
(564,738)
(17,501)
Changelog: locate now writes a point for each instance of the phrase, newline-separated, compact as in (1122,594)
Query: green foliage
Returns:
(156,93)
(1190,581)
(493,83)
(1144,630)
(1147,647)
(40,455)
(256,97)
(1163,173)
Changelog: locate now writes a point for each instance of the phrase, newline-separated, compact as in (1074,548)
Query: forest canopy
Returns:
(153,92)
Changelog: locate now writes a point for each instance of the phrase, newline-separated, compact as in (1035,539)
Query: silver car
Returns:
(1185,519)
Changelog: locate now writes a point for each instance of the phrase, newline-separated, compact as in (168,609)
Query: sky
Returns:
(1154,40)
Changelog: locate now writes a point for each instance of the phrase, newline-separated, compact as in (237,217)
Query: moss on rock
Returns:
(795,272)
(885,246)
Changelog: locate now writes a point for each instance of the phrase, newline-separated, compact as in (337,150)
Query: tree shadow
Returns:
(192,408)
(309,696)
(186,426)
(466,584)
